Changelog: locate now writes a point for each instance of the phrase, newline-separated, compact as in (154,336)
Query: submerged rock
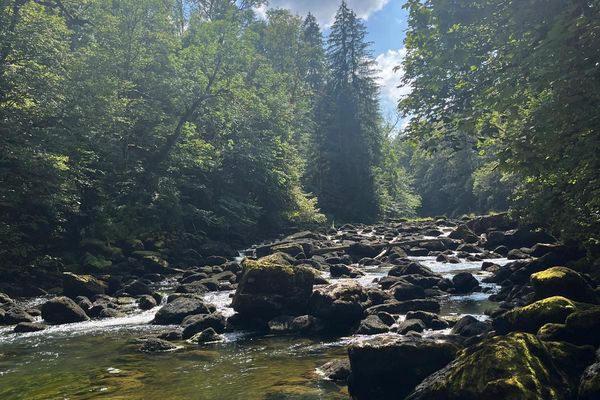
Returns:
(390,366)
(562,281)
(272,286)
(516,366)
(156,345)
(197,323)
(206,336)
(62,310)
(336,370)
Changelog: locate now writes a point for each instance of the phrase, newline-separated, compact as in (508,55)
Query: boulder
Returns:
(411,325)
(62,310)
(82,285)
(390,366)
(25,327)
(137,288)
(156,345)
(464,282)
(412,268)
(147,302)
(175,311)
(292,249)
(469,326)
(372,325)
(582,327)
(407,291)
(431,320)
(5,299)
(462,232)
(562,281)
(532,317)
(208,335)
(272,286)
(589,387)
(516,366)
(197,323)
(336,370)
(16,315)
(338,270)
(340,304)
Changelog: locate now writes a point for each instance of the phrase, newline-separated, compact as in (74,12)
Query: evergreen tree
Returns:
(348,141)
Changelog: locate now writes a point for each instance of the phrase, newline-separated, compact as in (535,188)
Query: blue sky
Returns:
(386,23)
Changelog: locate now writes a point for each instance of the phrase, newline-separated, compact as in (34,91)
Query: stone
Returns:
(272,286)
(532,317)
(589,387)
(407,291)
(137,288)
(147,302)
(62,310)
(516,366)
(413,268)
(562,281)
(469,326)
(156,345)
(175,311)
(197,323)
(340,304)
(372,325)
(338,270)
(208,335)
(16,315)
(82,285)
(336,370)
(462,232)
(390,366)
(464,282)
(431,320)
(411,325)
(26,327)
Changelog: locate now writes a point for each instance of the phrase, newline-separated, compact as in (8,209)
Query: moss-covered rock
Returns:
(516,366)
(581,327)
(562,281)
(94,263)
(530,318)
(82,285)
(389,367)
(272,286)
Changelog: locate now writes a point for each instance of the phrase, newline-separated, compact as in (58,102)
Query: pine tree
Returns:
(349,135)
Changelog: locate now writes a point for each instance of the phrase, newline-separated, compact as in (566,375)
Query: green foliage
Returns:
(519,81)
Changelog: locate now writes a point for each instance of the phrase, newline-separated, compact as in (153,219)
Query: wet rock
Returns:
(426,282)
(372,325)
(155,264)
(407,291)
(532,317)
(5,299)
(198,323)
(517,254)
(431,320)
(340,304)
(82,285)
(84,303)
(110,313)
(292,249)
(363,249)
(25,327)
(562,281)
(16,315)
(272,286)
(516,366)
(147,302)
(465,234)
(464,282)
(338,270)
(307,323)
(336,370)
(196,287)
(411,325)
(208,335)
(175,311)
(62,310)
(386,318)
(582,327)
(412,268)
(137,288)
(589,387)
(389,367)
(402,307)
(156,345)
(469,326)
(215,260)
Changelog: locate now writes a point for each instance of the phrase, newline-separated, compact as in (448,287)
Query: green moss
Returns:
(551,273)
(532,317)
(280,261)
(562,281)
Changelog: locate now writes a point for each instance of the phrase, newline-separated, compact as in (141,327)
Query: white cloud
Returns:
(324,10)
(390,80)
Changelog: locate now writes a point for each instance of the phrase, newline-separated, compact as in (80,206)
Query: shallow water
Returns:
(100,360)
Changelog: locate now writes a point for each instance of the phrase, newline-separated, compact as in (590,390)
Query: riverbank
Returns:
(379,307)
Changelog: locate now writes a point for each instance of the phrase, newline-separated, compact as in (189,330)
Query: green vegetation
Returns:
(135,119)
(504,109)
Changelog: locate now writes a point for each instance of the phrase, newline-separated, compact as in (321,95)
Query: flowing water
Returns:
(100,359)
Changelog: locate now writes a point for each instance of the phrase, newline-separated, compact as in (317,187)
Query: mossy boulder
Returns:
(562,281)
(390,366)
(530,318)
(581,327)
(82,285)
(272,286)
(94,263)
(516,366)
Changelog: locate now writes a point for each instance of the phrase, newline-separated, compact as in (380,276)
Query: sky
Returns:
(386,23)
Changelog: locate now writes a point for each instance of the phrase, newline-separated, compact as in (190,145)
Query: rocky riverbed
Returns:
(437,309)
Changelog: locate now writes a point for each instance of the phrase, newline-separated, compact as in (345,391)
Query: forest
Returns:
(145,139)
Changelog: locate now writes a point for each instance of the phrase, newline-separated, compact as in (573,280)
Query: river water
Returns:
(100,359)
